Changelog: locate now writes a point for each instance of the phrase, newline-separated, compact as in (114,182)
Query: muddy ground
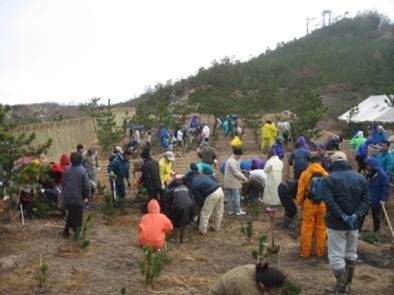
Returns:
(111,261)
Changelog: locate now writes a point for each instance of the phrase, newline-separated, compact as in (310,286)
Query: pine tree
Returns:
(108,132)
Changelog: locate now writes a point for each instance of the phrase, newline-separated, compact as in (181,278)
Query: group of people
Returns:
(332,199)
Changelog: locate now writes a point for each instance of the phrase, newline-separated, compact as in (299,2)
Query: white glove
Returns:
(382,203)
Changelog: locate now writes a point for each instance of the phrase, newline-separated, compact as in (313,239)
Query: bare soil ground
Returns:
(111,262)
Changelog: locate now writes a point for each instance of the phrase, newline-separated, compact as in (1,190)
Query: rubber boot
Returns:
(350,265)
(340,286)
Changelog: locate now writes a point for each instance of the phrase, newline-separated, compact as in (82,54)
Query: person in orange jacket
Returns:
(313,208)
(153,227)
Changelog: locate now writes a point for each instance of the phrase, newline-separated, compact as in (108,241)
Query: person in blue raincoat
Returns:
(299,159)
(378,190)
(164,138)
(379,135)
(278,147)
(362,154)
(194,123)
(246,165)
(118,170)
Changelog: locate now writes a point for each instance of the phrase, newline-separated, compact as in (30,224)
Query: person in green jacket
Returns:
(357,140)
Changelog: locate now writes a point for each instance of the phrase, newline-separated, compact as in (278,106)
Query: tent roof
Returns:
(375,108)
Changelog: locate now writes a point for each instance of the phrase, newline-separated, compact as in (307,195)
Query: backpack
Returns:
(315,190)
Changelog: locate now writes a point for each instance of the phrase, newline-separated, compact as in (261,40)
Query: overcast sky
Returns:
(67,51)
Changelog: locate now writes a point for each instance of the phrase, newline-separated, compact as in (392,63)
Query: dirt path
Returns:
(111,262)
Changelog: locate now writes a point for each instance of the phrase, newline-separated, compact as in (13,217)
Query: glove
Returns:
(112,175)
(351,221)
(382,203)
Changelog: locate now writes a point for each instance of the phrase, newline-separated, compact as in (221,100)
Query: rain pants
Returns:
(313,223)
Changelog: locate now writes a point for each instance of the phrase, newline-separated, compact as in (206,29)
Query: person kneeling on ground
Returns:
(153,227)
(209,195)
(76,191)
(249,280)
(287,191)
(179,204)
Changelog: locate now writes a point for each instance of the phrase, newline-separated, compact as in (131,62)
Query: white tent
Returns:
(376,108)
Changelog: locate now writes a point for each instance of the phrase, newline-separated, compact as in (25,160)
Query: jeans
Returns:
(233,200)
(342,245)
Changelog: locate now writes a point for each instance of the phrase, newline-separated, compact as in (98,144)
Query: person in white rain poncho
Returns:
(273,168)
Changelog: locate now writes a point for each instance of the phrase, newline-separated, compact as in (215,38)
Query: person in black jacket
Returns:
(347,201)
(150,175)
(287,191)
(76,191)
(179,204)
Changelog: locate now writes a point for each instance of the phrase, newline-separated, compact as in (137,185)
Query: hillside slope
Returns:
(344,62)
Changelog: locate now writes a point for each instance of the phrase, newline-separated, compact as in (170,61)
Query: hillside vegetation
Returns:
(343,63)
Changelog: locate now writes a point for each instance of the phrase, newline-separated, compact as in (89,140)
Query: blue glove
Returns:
(351,221)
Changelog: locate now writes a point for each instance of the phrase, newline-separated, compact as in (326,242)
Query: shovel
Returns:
(388,220)
(114,186)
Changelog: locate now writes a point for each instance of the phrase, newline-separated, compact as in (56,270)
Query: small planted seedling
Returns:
(151,265)
(273,249)
(371,238)
(42,274)
(247,230)
(262,248)
(123,291)
(291,288)
(81,232)
(109,209)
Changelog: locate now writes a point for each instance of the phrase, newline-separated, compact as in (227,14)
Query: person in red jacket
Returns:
(153,227)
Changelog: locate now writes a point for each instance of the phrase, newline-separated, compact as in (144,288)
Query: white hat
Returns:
(169,155)
(339,156)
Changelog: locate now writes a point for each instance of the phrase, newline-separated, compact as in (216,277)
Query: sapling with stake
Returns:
(42,274)
(262,248)
(274,248)
(81,232)
(248,229)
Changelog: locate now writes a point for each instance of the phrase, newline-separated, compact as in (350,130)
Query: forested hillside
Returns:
(343,63)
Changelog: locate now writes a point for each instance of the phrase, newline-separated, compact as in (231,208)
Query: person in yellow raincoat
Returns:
(313,214)
(165,167)
(236,143)
(268,135)
(274,134)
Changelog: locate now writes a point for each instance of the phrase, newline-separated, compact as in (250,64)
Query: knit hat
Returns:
(339,156)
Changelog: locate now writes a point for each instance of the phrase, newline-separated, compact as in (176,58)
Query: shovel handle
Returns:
(388,220)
